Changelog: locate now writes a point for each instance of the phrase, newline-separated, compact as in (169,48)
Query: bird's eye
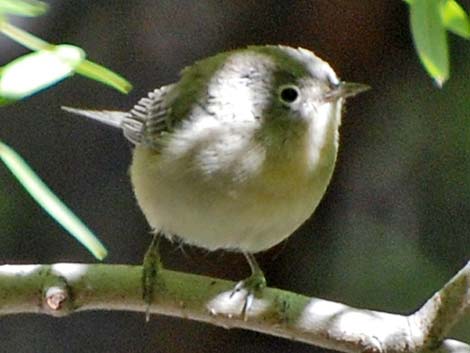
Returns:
(289,94)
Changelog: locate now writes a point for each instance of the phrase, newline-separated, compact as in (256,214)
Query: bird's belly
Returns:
(229,215)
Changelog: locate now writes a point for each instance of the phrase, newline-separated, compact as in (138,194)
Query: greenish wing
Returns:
(166,108)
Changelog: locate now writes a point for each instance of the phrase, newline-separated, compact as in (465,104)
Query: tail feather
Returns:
(108,117)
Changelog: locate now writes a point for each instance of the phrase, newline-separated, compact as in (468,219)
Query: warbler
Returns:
(238,153)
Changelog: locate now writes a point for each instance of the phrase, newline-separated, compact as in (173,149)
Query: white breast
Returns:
(217,188)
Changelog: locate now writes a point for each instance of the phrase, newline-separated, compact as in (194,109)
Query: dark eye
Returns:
(289,94)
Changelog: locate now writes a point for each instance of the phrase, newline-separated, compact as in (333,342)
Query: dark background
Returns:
(393,227)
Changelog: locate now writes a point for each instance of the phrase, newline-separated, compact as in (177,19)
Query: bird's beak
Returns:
(345,90)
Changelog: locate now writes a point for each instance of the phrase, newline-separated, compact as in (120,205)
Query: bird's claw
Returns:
(252,285)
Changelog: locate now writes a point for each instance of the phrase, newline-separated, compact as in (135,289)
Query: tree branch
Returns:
(61,289)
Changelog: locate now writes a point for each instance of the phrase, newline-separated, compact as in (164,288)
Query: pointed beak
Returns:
(345,90)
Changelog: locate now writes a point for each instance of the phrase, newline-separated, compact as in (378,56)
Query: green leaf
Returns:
(430,38)
(24,38)
(28,8)
(455,19)
(101,74)
(83,67)
(51,203)
(36,71)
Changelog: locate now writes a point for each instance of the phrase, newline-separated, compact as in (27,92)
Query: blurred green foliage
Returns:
(49,64)
(430,19)
(32,73)
(29,8)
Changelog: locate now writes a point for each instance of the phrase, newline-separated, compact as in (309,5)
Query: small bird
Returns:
(238,153)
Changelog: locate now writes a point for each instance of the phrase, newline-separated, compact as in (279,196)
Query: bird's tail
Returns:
(131,125)
(108,117)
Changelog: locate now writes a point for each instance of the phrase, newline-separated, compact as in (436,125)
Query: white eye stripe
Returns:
(288,94)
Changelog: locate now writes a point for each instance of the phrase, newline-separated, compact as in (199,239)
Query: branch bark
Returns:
(64,288)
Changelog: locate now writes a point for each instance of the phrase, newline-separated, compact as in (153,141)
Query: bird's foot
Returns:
(252,286)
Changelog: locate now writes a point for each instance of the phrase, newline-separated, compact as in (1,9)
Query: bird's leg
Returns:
(252,285)
(151,267)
